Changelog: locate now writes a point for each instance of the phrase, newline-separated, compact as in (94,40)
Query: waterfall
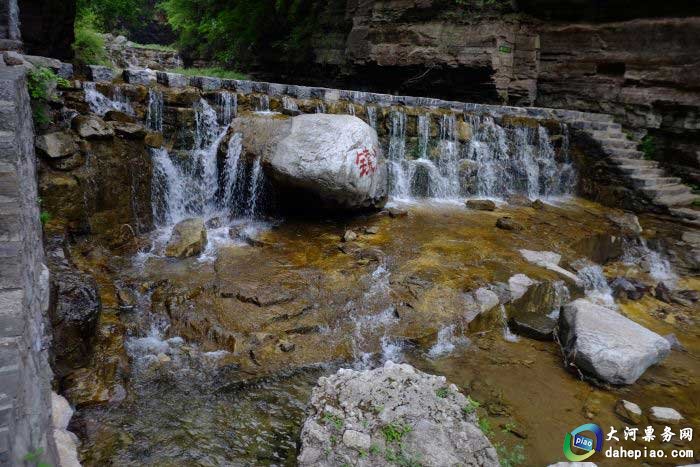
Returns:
(595,284)
(399,170)
(263,103)
(232,171)
(256,184)
(448,185)
(228,105)
(637,252)
(167,189)
(351,109)
(101,104)
(517,160)
(320,108)
(154,112)
(289,104)
(372,116)
(423,135)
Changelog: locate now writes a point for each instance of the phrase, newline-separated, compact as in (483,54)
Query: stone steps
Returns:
(685,199)
(667,190)
(618,143)
(650,182)
(642,171)
(634,162)
(689,215)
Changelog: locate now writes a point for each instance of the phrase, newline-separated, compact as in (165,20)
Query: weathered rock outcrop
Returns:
(395,412)
(74,310)
(606,345)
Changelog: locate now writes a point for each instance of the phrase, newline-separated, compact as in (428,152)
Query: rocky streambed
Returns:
(211,359)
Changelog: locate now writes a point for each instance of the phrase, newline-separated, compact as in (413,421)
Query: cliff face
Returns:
(645,72)
(641,65)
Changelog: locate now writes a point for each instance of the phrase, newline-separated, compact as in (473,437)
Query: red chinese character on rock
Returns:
(365,160)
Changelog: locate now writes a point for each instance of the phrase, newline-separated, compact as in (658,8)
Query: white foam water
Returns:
(101,104)
(447,341)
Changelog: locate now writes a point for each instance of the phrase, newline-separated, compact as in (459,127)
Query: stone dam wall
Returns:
(25,376)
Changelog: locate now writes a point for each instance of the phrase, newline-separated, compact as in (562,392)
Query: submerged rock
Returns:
(189,238)
(481,204)
(507,223)
(606,345)
(628,411)
(665,415)
(367,417)
(630,288)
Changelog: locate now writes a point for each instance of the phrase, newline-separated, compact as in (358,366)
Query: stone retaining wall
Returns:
(25,375)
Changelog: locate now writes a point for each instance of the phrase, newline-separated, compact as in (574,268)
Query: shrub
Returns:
(215,72)
(89,45)
(41,83)
(648,147)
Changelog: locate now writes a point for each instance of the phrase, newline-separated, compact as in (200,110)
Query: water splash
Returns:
(637,252)
(594,283)
(508,335)
(447,341)
(101,104)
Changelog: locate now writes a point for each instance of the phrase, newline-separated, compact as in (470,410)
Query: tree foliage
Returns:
(109,15)
(237,31)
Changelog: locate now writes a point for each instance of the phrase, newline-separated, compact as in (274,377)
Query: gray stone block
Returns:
(142,77)
(11,316)
(100,73)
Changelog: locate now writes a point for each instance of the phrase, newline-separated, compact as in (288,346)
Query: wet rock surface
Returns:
(74,310)
(189,238)
(396,411)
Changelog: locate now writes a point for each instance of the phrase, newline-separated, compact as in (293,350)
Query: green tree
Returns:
(241,31)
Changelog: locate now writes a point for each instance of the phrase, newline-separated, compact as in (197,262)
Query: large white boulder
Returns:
(392,412)
(337,158)
(606,345)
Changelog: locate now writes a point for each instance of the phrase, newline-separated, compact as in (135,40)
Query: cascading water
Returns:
(101,104)
(372,116)
(154,113)
(399,170)
(637,252)
(199,185)
(516,161)
(447,186)
(263,103)
(256,184)
(228,105)
(289,104)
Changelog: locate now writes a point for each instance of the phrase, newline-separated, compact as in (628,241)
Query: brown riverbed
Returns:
(301,303)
